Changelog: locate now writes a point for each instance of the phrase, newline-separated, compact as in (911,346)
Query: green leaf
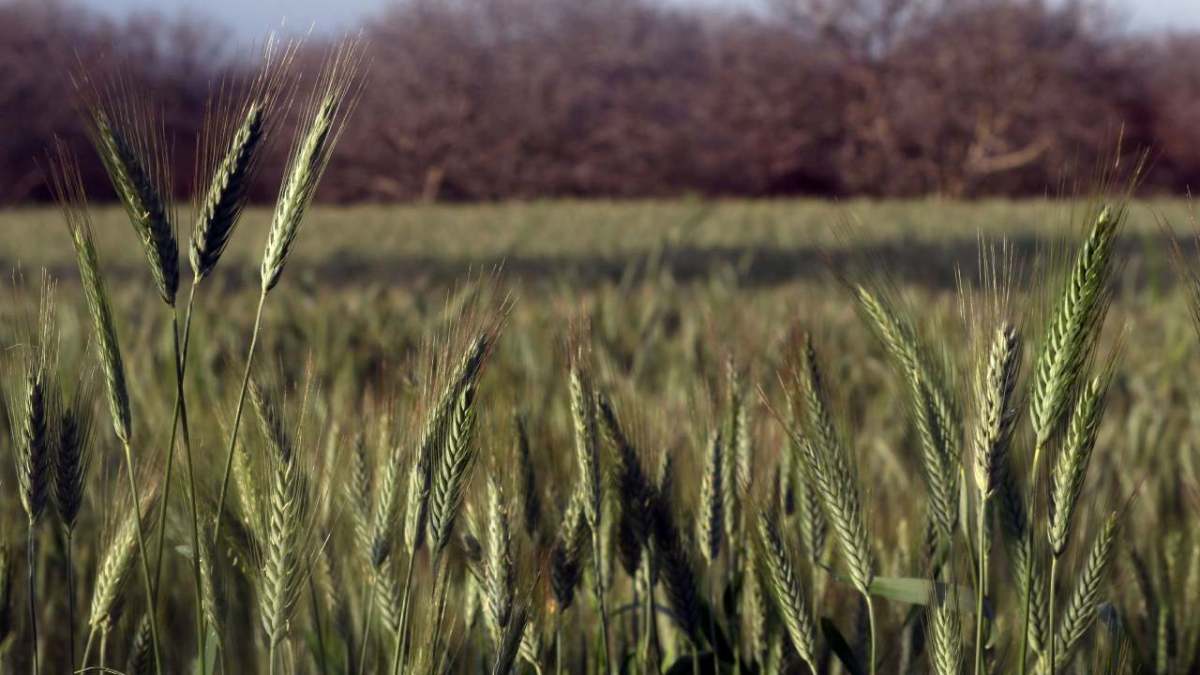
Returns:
(917,591)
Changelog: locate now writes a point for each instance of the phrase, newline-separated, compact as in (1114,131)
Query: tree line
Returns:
(502,99)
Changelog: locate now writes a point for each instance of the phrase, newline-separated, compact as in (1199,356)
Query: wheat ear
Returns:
(587,455)
(33,426)
(1071,334)
(500,574)
(946,650)
(141,657)
(632,485)
(1069,342)
(132,149)
(326,114)
(335,97)
(223,201)
(709,526)
(1069,471)
(67,185)
(72,458)
(531,505)
(835,479)
(789,596)
(1082,605)
(933,406)
(995,391)
(1071,466)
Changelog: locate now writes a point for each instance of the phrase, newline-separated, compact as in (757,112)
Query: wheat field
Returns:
(666,437)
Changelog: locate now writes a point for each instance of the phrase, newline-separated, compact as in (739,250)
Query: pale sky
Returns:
(254,18)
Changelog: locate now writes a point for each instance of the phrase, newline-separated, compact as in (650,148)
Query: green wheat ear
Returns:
(226,195)
(1074,326)
(335,97)
(133,151)
(67,185)
(789,596)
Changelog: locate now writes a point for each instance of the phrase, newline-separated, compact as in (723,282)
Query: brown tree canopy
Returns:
(496,99)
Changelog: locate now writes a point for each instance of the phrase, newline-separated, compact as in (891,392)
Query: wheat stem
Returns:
(368,615)
(201,634)
(653,649)
(104,650)
(439,608)
(31,567)
(70,598)
(871,624)
(1053,574)
(143,554)
(87,648)
(237,418)
(401,655)
(981,586)
(558,641)
(600,597)
(1029,581)
(179,417)
(316,610)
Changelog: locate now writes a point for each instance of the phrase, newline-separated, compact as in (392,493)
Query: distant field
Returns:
(768,241)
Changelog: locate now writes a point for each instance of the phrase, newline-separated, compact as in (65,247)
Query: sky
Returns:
(253,18)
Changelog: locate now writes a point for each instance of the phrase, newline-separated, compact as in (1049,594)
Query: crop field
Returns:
(585,437)
(682,319)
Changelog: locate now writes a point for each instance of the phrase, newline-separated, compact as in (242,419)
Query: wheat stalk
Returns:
(587,455)
(994,392)
(1069,472)
(1027,571)
(67,185)
(754,607)
(32,424)
(735,471)
(326,114)
(826,458)
(1069,342)
(6,588)
(358,495)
